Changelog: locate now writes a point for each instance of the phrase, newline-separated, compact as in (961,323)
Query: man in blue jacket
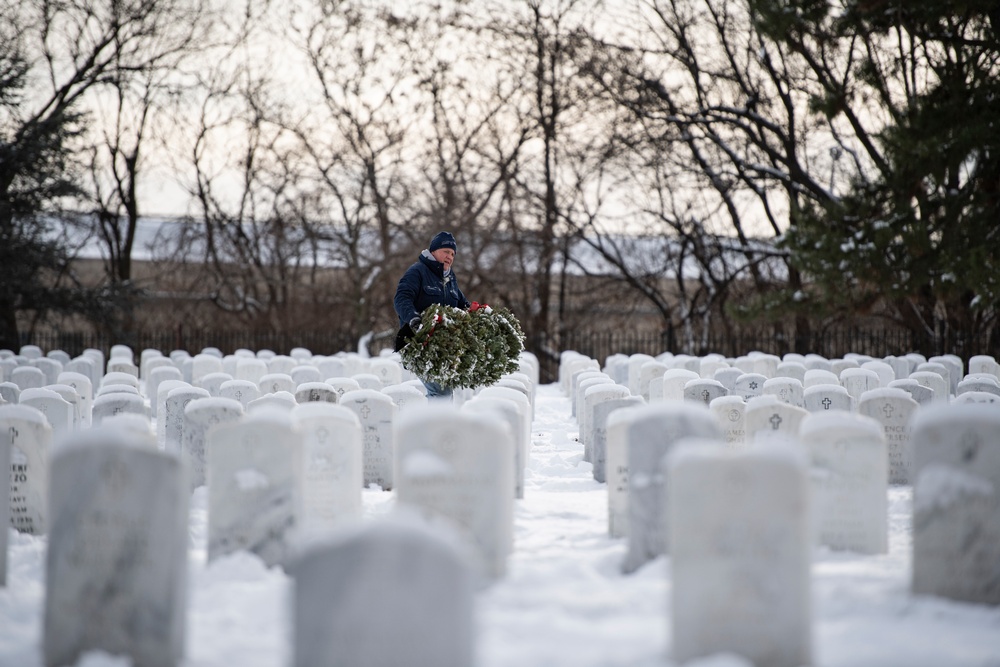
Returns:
(428,281)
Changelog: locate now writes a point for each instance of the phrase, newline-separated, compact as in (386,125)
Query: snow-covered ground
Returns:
(564,601)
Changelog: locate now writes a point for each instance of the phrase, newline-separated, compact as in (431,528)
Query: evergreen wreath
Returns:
(464,348)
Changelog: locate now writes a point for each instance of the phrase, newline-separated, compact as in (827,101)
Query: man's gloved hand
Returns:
(414,323)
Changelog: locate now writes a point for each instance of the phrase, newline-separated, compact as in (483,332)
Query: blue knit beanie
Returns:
(443,240)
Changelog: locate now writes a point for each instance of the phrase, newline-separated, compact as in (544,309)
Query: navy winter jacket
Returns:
(424,284)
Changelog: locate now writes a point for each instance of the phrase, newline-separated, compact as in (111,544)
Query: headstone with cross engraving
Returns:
(116,563)
(457,465)
(201,415)
(254,485)
(956,502)
(57,410)
(333,480)
(272,383)
(749,385)
(704,391)
(652,433)
(342,385)
(376,412)
(405,396)
(243,391)
(859,380)
(827,397)
(389,371)
(730,413)
(740,555)
(935,382)
(27,437)
(393,592)
(116,403)
(893,409)
(767,418)
(122,365)
(788,390)
(850,477)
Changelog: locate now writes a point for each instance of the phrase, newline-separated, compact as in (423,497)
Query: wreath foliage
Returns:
(464,348)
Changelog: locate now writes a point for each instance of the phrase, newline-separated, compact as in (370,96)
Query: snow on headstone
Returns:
(651,434)
(243,391)
(935,382)
(850,476)
(918,392)
(315,392)
(27,437)
(116,563)
(740,555)
(730,413)
(457,465)
(50,367)
(674,381)
(788,390)
(57,410)
(272,383)
(956,502)
(200,415)
(817,376)
(376,412)
(515,418)
(173,415)
(727,377)
(251,369)
(704,391)
(28,377)
(254,485)
(984,363)
(389,593)
(827,397)
(108,405)
(791,369)
(893,408)
(332,482)
(749,385)
(204,364)
(985,383)
(305,373)
(595,394)
(213,382)
(767,418)
(404,395)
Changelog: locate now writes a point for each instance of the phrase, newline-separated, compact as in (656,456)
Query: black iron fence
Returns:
(831,343)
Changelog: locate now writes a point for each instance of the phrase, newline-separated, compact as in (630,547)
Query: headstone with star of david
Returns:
(332,484)
(117,556)
(730,413)
(956,502)
(893,409)
(827,397)
(457,465)
(749,385)
(200,415)
(847,452)
(376,412)
(254,485)
(650,436)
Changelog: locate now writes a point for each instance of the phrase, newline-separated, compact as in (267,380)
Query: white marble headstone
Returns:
(827,397)
(704,391)
(116,563)
(740,555)
(254,485)
(956,502)
(652,433)
(243,391)
(769,420)
(27,437)
(173,415)
(599,422)
(457,465)
(730,413)
(893,409)
(332,456)
(200,415)
(376,412)
(385,594)
(749,385)
(848,455)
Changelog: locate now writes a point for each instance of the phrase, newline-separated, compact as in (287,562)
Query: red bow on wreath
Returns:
(478,306)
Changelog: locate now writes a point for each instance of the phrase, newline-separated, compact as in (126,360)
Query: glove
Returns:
(414,323)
